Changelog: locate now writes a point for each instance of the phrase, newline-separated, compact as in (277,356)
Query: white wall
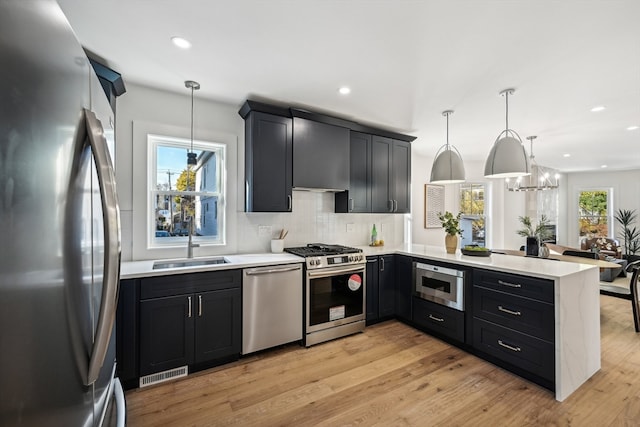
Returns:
(502,207)
(144,110)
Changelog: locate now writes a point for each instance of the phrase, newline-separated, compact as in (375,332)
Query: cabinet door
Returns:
(127,332)
(268,163)
(401,177)
(381,157)
(371,281)
(404,286)
(166,333)
(360,173)
(387,286)
(217,330)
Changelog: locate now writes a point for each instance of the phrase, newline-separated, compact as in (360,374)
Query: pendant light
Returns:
(191,156)
(539,179)
(447,167)
(507,158)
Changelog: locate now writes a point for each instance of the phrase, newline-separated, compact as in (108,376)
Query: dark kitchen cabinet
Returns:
(404,286)
(268,162)
(191,319)
(320,155)
(439,320)
(387,286)
(381,288)
(514,323)
(390,175)
(371,280)
(127,332)
(358,198)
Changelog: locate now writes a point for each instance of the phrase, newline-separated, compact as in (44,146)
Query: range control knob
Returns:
(350,258)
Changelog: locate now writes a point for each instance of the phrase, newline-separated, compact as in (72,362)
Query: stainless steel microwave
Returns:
(441,285)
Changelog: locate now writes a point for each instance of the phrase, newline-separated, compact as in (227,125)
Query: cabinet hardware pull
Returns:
(513,285)
(289,202)
(381,264)
(506,310)
(437,319)
(199,305)
(395,206)
(350,205)
(189,299)
(510,347)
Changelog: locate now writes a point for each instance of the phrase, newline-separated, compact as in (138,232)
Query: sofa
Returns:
(605,246)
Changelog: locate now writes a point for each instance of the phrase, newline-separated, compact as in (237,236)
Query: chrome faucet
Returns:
(190,244)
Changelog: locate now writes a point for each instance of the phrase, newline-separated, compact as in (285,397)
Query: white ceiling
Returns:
(405,61)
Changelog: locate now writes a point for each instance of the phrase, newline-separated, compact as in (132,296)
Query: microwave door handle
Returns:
(111,224)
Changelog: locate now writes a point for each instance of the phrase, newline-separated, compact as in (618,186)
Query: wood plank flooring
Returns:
(394,375)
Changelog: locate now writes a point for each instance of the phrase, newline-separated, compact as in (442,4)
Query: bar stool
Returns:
(633,287)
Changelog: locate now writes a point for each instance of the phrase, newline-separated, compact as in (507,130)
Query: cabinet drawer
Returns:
(181,284)
(540,289)
(522,314)
(523,351)
(438,318)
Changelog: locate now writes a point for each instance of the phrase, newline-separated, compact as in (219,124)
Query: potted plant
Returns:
(629,235)
(451,225)
(535,234)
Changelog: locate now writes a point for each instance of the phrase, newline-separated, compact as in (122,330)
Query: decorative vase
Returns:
(451,243)
(531,247)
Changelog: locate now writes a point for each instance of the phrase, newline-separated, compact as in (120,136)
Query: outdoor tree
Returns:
(186,182)
(592,207)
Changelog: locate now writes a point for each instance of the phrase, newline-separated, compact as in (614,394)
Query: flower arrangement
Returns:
(450,223)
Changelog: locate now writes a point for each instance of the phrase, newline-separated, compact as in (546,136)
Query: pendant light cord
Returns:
(506,100)
(189,167)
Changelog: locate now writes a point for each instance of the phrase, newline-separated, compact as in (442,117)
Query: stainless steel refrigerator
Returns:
(59,226)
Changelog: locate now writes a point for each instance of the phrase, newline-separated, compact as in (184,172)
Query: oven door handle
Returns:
(333,271)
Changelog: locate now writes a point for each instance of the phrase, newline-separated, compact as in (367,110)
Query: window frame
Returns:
(221,148)
(473,216)
(609,215)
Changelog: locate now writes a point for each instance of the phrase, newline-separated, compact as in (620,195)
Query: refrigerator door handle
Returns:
(111,213)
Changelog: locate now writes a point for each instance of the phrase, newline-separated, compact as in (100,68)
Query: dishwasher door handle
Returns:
(270,270)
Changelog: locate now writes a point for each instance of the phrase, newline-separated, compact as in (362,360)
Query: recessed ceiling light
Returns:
(598,108)
(180,42)
(633,127)
(566,155)
(603,166)
(344,90)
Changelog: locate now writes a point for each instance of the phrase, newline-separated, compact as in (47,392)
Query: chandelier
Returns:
(541,178)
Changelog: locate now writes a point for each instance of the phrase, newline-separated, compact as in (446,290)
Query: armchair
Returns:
(604,245)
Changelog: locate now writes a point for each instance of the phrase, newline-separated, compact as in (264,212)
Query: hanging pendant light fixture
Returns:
(540,178)
(191,156)
(447,167)
(507,158)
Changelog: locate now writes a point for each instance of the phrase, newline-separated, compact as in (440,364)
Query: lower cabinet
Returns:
(381,287)
(190,319)
(404,286)
(514,323)
(443,321)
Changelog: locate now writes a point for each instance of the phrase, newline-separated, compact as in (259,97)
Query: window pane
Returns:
(473,218)
(593,213)
(183,199)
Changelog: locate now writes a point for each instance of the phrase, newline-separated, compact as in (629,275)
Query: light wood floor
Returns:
(394,375)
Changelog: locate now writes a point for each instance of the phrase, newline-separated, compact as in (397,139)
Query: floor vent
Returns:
(164,376)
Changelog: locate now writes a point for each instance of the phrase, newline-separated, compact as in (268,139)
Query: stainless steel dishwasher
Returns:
(271,306)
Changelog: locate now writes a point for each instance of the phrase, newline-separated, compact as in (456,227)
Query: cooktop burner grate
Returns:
(321,249)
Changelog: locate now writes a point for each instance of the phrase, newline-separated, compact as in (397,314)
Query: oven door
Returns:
(334,296)
(441,285)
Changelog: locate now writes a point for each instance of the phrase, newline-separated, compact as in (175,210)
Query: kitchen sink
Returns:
(158,265)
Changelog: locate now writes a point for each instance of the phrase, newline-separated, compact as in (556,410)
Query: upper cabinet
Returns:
(380,176)
(288,149)
(268,162)
(320,155)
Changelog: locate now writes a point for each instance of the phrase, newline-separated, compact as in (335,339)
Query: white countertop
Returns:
(135,269)
(535,267)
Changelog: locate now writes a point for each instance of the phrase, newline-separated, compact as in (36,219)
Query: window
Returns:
(181,201)
(593,213)
(473,220)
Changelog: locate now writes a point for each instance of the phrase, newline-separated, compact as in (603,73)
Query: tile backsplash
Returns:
(313,220)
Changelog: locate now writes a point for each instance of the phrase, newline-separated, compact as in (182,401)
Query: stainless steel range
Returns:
(334,291)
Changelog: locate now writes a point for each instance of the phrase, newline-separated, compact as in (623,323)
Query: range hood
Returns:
(320,154)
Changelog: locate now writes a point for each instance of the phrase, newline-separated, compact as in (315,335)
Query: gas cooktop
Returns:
(321,249)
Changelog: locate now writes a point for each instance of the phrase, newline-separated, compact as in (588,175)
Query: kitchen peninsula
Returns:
(574,296)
